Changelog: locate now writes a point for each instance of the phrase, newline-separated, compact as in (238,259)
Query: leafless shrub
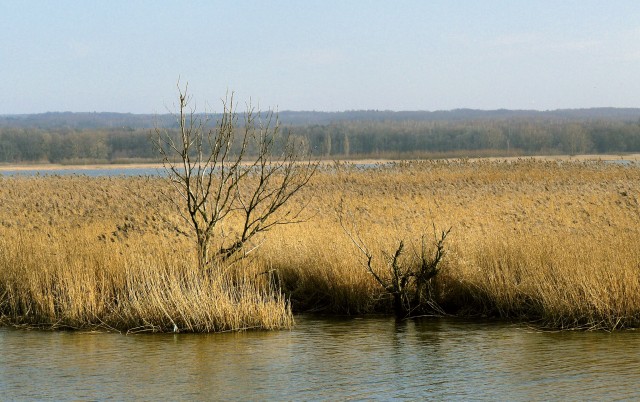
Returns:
(241,174)
(408,279)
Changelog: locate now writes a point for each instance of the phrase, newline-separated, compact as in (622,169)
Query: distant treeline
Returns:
(472,137)
(366,137)
(74,146)
(83,121)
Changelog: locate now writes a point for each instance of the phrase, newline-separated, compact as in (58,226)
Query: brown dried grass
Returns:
(86,253)
(556,242)
(550,241)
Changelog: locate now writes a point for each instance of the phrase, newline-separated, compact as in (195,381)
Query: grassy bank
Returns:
(555,242)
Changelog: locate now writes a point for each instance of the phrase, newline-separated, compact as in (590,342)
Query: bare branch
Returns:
(408,281)
(216,175)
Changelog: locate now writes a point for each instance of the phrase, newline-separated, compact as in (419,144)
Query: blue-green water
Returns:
(329,359)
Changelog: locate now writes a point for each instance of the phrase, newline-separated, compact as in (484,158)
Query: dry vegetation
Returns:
(108,252)
(550,241)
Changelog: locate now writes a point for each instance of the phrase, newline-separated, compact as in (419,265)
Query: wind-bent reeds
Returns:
(553,242)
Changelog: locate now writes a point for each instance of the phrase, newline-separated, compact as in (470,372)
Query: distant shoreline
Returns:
(54,166)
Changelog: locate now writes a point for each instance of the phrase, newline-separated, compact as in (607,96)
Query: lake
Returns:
(325,358)
(159,171)
(90,172)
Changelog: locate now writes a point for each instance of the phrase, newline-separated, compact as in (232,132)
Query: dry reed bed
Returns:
(551,241)
(110,253)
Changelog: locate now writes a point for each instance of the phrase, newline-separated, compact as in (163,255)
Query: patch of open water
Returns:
(322,358)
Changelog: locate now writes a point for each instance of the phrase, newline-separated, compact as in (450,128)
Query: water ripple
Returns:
(346,359)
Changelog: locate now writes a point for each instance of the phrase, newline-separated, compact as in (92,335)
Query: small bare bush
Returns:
(406,278)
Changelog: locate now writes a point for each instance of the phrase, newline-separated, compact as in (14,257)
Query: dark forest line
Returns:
(497,133)
(93,120)
(101,120)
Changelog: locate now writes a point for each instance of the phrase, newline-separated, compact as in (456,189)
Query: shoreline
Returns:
(151,165)
(56,166)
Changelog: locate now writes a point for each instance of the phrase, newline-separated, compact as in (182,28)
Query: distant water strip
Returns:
(98,172)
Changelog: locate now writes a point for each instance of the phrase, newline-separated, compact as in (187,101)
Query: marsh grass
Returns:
(551,242)
(129,288)
(556,243)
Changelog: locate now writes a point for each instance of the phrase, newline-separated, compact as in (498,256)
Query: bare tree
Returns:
(409,280)
(241,174)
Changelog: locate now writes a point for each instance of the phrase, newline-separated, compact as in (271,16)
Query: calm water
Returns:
(372,358)
(152,171)
(86,172)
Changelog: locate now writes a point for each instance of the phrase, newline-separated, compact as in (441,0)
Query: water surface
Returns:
(89,172)
(321,358)
(155,171)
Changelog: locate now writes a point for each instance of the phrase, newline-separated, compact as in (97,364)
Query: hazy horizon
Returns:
(343,111)
(324,56)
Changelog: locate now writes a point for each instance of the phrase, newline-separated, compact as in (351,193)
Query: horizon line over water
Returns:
(158,171)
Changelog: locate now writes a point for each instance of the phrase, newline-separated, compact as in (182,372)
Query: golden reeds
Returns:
(554,242)
(128,287)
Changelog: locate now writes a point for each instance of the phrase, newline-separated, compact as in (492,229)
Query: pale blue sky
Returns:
(126,56)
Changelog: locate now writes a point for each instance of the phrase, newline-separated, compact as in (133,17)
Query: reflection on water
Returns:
(324,359)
